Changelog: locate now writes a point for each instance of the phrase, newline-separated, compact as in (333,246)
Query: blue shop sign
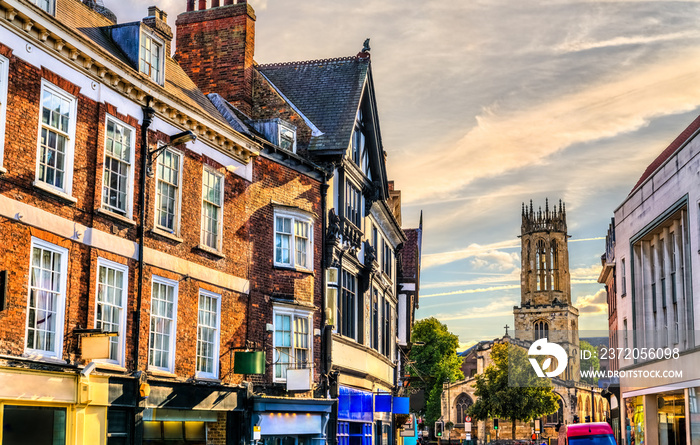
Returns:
(354,404)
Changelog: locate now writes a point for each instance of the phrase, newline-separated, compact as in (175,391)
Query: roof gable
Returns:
(327,92)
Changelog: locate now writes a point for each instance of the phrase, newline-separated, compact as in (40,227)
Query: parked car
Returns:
(596,433)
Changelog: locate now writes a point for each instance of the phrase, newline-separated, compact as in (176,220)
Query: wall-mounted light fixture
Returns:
(176,139)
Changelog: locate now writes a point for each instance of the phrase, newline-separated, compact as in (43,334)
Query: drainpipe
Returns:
(324,222)
(148,114)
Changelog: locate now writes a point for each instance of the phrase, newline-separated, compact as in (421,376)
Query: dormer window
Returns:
(46,5)
(287,138)
(151,58)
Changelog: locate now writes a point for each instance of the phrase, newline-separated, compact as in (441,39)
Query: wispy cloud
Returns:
(527,136)
(473,291)
(493,309)
(585,45)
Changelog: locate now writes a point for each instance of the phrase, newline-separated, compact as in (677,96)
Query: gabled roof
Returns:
(328,92)
(668,152)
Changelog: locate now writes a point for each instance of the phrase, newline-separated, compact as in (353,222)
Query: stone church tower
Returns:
(545,299)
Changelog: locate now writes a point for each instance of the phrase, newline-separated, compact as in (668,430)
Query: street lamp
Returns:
(176,139)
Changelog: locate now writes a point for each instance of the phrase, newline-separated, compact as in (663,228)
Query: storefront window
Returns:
(36,425)
(635,421)
(694,405)
(671,415)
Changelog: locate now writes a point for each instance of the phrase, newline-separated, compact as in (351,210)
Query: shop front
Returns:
(291,421)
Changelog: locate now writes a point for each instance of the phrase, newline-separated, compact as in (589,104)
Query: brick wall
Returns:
(215,47)
(20,154)
(277,183)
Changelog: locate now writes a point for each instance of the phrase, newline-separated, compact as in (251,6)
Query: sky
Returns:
(486,104)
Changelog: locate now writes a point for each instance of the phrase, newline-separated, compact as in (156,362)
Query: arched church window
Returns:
(462,403)
(557,416)
(541,329)
(555,265)
(541,257)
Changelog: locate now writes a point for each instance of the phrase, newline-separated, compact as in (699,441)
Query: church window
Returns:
(555,266)
(462,404)
(541,329)
(541,257)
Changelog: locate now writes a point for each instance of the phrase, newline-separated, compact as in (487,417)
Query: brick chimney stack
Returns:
(158,21)
(215,46)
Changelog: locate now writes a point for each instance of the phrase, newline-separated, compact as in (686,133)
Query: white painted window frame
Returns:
(102,262)
(130,175)
(173,326)
(178,201)
(51,3)
(293,313)
(4,80)
(145,34)
(56,353)
(220,222)
(217,335)
(70,143)
(295,217)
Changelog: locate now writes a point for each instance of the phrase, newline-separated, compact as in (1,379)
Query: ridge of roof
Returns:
(309,62)
(661,159)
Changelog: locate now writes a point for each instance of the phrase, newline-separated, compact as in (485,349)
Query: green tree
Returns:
(435,361)
(510,389)
(589,364)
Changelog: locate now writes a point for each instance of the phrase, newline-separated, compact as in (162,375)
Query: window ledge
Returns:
(109,366)
(116,216)
(296,269)
(211,251)
(48,189)
(43,358)
(166,234)
(160,373)
(3,170)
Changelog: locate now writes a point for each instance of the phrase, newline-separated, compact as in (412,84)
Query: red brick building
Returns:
(115,221)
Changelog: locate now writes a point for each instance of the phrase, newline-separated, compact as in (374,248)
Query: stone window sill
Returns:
(211,251)
(118,217)
(165,234)
(53,191)
(160,373)
(295,269)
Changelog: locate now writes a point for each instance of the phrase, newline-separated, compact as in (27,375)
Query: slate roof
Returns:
(668,152)
(91,24)
(327,91)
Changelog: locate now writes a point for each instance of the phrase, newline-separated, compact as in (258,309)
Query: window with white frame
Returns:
(212,208)
(118,171)
(46,5)
(292,340)
(110,305)
(161,345)
(293,240)
(56,138)
(208,334)
(168,190)
(151,58)
(4,78)
(47,298)
(287,138)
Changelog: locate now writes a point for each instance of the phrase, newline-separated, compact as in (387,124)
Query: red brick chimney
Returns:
(215,47)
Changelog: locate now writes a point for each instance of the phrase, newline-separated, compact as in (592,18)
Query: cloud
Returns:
(473,291)
(596,304)
(585,45)
(496,260)
(503,140)
(493,309)
(484,278)
(586,273)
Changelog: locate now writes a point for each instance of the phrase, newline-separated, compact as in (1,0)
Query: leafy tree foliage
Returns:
(592,363)
(510,389)
(436,361)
